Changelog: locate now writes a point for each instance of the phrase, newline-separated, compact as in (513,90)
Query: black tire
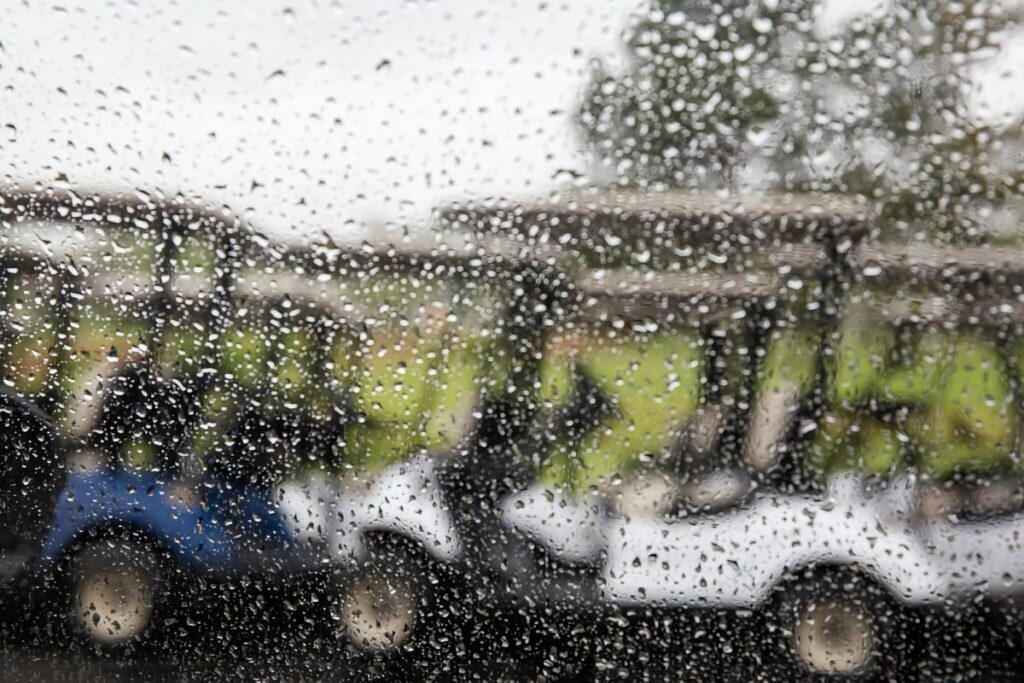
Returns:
(395,612)
(832,624)
(116,594)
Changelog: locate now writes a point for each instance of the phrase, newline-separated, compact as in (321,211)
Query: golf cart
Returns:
(116,311)
(215,409)
(430,346)
(725,432)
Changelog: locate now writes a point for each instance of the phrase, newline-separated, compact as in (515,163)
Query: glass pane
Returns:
(660,340)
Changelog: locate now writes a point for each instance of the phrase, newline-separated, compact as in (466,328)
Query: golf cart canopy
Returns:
(130,212)
(639,254)
(602,225)
(949,286)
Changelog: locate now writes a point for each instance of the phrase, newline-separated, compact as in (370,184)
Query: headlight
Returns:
(85,460)
(182,495)
(991,498)
(936,502)
(716,490)
(645,495)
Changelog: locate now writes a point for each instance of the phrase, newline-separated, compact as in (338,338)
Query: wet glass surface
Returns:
(675,340)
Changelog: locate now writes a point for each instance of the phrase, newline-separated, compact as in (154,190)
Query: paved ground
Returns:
(512,646)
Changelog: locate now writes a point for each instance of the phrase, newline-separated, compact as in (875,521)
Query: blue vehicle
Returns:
(111,312)
(169,417)
(119,537)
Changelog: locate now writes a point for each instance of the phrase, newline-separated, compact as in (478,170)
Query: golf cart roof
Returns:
(719,251)
(949,286)
(585,217)
(130,211)
(686,298)
(926,262)
(615,284)
(51,224)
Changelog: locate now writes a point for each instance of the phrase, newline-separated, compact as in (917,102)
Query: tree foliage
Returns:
(768,95)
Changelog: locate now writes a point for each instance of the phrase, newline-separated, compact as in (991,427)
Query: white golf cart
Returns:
(741,514)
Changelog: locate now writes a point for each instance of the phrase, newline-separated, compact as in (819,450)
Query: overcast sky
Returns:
(309,116)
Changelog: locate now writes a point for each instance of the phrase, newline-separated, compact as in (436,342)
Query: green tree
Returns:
(764,95)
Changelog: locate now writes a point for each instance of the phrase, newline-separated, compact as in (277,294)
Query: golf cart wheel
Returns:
(835,624)
(113,593)
(392,608)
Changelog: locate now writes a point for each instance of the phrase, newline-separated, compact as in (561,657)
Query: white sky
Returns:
(340,113)
(313,116)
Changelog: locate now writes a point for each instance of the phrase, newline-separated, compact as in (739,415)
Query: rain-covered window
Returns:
(643,340)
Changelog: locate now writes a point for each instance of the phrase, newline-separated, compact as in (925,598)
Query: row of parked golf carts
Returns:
(609,399)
